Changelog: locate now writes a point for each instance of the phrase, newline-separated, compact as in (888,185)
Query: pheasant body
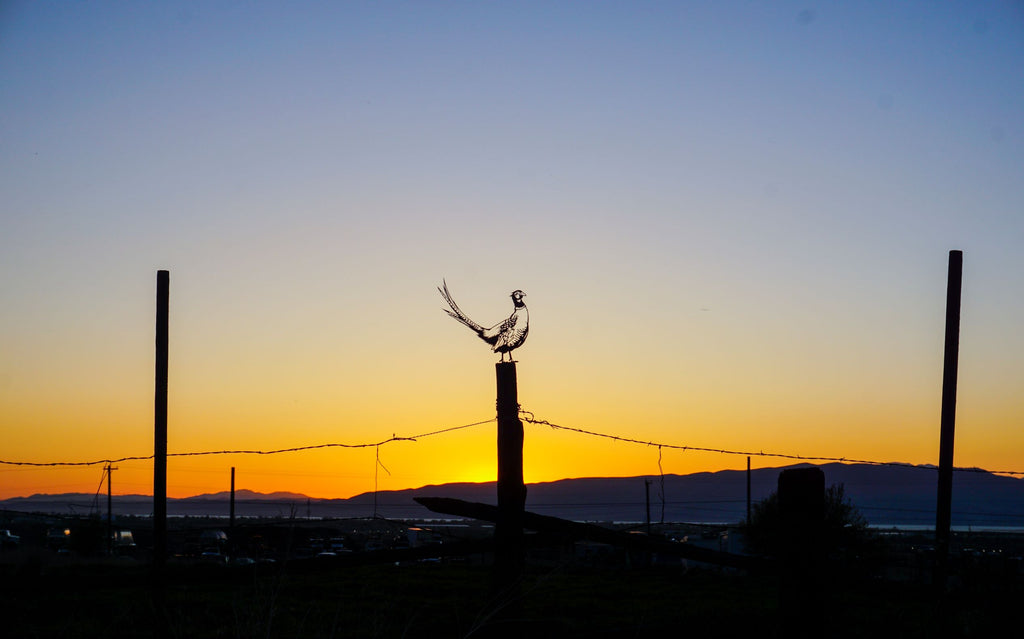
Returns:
(503,337)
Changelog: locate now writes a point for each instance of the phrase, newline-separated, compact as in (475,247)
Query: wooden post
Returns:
(944,508)
(508,531)
(802,515)
(160,445)
(566,529)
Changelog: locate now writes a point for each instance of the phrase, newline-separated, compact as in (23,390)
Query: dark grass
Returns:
(308,601)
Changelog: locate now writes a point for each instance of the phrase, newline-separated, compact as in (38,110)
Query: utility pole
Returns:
(231,519)
(944,508)
(232,512)
(110,511)
(748,490)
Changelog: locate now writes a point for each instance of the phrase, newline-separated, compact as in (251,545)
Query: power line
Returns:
(527,416)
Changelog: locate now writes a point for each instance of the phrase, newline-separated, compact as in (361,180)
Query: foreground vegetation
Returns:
(351,578)
(429,599)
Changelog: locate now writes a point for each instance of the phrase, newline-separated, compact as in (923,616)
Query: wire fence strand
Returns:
(277,451)
(529,417)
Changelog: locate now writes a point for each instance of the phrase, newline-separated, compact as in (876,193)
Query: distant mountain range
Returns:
(885,495)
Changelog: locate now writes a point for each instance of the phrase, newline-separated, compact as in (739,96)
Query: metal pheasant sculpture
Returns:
(504,337)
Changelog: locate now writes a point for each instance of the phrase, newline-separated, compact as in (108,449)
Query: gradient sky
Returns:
(731,220)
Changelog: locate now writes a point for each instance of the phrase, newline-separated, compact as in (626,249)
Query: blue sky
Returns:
(708,204)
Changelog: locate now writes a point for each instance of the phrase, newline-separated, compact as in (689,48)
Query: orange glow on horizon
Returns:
(469,455)
(855,414)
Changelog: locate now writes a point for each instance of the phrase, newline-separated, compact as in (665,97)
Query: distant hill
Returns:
(885,495)
(250,494)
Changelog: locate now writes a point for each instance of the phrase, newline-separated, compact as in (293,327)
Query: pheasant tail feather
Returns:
(455,311)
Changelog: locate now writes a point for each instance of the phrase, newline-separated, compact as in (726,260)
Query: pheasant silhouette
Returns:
(504,337)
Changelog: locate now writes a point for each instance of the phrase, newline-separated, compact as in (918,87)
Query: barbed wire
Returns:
(295,449)
(527,416)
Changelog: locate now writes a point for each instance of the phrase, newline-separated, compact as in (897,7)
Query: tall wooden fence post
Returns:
(160,449)
(508,531)
(944,507)
(802,513)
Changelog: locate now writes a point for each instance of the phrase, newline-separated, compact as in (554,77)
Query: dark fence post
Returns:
(802,515)
(508,531)
(944,507)
(160,449)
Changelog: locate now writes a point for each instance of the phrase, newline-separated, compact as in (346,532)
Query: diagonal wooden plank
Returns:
(577,530)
